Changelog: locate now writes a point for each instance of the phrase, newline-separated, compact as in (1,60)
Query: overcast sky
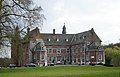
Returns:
(82,15)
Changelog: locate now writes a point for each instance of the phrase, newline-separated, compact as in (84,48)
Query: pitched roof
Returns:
(57,39)
(67,39)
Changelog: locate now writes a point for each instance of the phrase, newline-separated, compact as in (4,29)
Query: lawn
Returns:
(62,71)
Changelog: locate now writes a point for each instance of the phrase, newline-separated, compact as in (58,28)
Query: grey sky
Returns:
(82,15)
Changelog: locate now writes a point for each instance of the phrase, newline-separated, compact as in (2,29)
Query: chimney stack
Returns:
(53,31)
(28,30)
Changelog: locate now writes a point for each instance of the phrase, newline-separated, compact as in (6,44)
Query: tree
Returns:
(16,47)
(108,55)
(18,13)
(113,56)
(116,56)
(4,62)
(15,17)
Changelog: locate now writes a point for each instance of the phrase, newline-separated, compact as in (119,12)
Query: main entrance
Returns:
(59,59)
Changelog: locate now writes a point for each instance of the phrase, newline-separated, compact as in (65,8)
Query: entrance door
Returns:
(59,59)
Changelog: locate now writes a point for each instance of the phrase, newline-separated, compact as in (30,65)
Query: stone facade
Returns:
(80,48)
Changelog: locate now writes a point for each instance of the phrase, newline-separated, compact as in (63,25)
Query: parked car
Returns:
(50,64)
(12,65)
(30,65)
(58,62)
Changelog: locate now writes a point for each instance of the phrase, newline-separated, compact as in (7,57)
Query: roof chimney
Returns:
(92,31)
(64,29)
(28,30)
(53,31)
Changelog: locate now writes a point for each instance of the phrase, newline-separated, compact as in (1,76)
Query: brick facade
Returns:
(81,48)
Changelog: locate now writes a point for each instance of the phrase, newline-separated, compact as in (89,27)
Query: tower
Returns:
(64,29)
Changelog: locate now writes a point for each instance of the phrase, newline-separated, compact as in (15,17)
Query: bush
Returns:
(100,64)
(108,65)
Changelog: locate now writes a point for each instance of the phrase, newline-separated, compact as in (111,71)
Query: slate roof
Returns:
(57,39)
(66,39)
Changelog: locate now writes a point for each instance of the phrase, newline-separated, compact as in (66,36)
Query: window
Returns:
(62,58)
(76,50)
(67,50)
(49,58)
(58,51)
(58,58)
(83,58)
(84,37)
(80,49)
(49,39)
(74,60)
(42,48)
(54,58)
(97,43)
(78,56)
(47,50)
(74,56)
(42,57)
(80,37)
(83,49)
(67,58)
(75,39)
(92,57)
(78,60)
(54,50)
(100,57)
(72,50)
(63,51)
(57,39)
(66,40)
(50,51)
(87,57)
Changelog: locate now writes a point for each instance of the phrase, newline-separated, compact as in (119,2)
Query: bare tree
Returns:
(15,17)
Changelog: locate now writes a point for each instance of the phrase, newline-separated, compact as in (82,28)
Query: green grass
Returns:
(62,71)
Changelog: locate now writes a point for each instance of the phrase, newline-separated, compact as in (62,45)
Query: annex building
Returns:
(79,48)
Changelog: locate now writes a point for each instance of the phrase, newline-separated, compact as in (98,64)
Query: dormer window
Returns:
(57,39)
(66,40)
(80,37)
(49,39)
(75,39)
(84,37)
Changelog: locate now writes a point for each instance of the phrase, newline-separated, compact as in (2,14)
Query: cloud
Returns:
(82,15)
